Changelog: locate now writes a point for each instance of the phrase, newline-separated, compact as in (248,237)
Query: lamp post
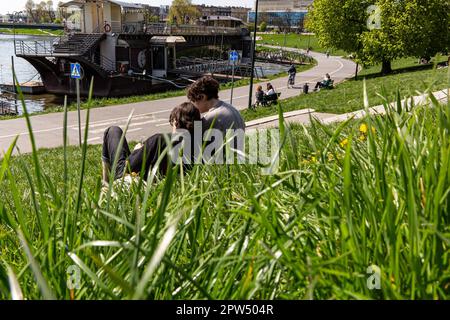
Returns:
(14,28)
(252,71)
(309,40)
(12,62)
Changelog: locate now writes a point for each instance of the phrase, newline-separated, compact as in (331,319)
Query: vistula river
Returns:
(24,72)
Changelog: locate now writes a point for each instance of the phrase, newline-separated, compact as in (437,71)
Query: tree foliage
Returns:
(396,28)
(263,26)
(182,12)
(41,12)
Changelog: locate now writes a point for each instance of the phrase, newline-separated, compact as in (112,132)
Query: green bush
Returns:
(263,26)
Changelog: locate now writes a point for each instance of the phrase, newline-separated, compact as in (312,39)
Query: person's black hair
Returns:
(205,86)
(184,116)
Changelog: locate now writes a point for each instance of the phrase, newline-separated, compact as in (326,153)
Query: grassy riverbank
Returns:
(32,32)
(294,40)
(364,195)
(408,77)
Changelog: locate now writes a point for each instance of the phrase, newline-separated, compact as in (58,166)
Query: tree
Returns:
(41,11)
(151,15)
(50,11)
(61,11)
(183,11)
(380,31)
(263,26)
(30,10)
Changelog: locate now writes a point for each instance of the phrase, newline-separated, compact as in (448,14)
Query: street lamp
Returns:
(252,71)
(14,14)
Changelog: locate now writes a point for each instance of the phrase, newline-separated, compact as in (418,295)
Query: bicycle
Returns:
(291,80)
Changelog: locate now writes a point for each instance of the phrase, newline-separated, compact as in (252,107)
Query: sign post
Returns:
(75,73)
(234,56)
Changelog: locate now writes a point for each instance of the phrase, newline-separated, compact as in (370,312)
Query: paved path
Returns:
(149,117)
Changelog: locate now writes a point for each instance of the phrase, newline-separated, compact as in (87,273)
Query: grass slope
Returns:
(408,77)
(294,40)
(32,32)
(346,197)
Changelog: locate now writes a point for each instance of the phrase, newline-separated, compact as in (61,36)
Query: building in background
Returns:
(17,17)
(163,13)
(281,14)
(235,12)
(220,21)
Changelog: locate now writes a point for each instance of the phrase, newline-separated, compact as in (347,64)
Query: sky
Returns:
(18,5)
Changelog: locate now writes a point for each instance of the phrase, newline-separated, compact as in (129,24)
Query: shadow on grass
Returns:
(397,71)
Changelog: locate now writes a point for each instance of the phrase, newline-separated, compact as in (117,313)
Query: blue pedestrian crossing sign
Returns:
(75,71)
(234,56)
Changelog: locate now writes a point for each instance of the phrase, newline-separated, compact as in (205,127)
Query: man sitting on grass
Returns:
(222,125)
(217,114)
(182,117)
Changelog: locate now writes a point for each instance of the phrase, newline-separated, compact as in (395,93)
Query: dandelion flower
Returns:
(344,143)
(363,128)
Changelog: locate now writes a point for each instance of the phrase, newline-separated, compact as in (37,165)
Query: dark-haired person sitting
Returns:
(260,96)
(222,124)
(181,117)
(325,83)
(204,94)
(271,94)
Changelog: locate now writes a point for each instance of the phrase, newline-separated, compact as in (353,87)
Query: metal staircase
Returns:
(79,47)
(79,44)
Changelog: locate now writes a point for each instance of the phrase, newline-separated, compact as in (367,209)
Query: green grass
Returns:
(408,77)
(228,232)
(32,32)
(294,40)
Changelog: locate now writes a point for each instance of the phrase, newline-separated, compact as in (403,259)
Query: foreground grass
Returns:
(408,77)
(32,32)
(294,40)
(346,197)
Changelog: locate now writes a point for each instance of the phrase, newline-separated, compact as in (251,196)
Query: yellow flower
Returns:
(330,156)
(362,137)
(363,128)
(305,162)
(343,143)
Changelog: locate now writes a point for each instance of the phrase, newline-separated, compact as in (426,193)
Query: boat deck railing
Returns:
(284,56)
(209,66)
(189,30)
(7,109)
(42,48)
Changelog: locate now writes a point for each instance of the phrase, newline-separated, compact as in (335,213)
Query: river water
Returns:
(24,73)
